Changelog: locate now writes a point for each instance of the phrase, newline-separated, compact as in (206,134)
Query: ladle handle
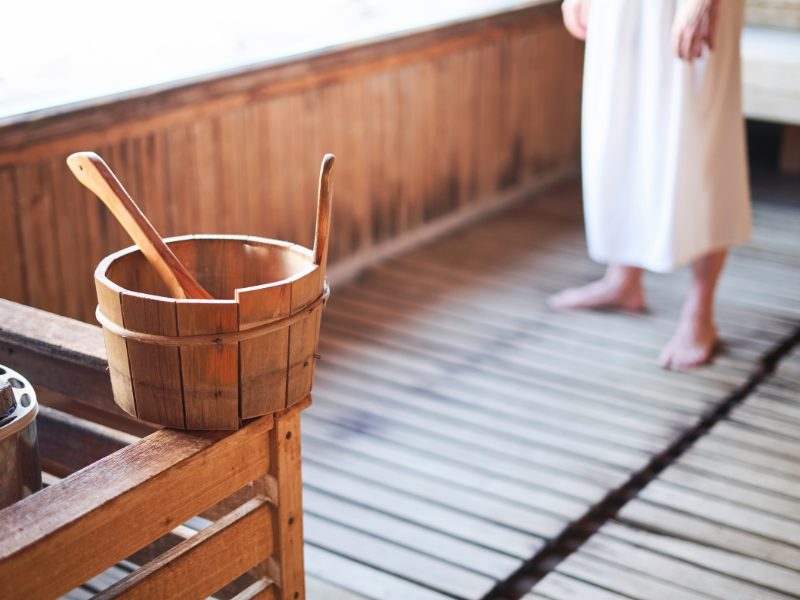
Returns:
(94,173)
(325,199)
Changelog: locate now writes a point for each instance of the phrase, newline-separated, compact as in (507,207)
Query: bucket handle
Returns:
(324,201)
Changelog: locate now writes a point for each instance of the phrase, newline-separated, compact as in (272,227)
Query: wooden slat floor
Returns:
(722,522)
(459,425)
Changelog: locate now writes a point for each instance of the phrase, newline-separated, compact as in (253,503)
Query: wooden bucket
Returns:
(210,364)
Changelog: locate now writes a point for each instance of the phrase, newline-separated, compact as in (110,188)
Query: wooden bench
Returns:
(125,498)
(771,80)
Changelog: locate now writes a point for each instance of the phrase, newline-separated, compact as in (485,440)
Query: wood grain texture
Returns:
(263,372)
(110,303)
(288,525)
(303,336)
(56,354)
(417,129)
(155,370)
(181,474)
(12,272)
(207,561)
(263,589)
(67,443)
(210,375)
(721,521)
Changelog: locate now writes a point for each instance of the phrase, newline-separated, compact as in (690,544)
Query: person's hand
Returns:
(576,17)
(694,27)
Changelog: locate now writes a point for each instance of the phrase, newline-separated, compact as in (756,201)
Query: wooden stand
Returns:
(130,505)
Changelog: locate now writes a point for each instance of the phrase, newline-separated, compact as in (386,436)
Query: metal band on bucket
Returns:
(208,339)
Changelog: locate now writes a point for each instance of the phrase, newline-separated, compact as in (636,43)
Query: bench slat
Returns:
(67,533)
(204,563)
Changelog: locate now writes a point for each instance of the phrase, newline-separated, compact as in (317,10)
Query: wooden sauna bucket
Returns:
(209,364)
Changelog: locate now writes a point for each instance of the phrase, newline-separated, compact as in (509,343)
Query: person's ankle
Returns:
(624,279)
(698,311)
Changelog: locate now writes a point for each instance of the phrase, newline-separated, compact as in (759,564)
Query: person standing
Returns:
(664,160)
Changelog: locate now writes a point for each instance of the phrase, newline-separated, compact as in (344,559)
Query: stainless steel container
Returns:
(20,473)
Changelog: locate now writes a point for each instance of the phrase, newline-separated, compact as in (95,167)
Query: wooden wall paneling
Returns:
(374,158)
(447,93)
(430,201)
(72,238)
(568,108)
(548,80)
(207,201)
(443,115)
(158,181)
(358,151)
(233,173)
(313,151)
(12,251)
(481,157)
(508,176)
(545,119)
(38,220)
(491,120)
(125,113)
(525,78)
(419,131)
(560,109)
(390,173)
(293,164)
(391,167)
(316,145)
(69,251)
(467,149)
(409,157)
(344,240)
(251,166)
(473,148)
(296,165)
(427,204)
(273,210)
(180,175)
(265,218)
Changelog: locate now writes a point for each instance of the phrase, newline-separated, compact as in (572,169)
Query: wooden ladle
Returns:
(94,173)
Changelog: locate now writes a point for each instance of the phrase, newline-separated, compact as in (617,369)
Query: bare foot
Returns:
(693,344)
(609,292)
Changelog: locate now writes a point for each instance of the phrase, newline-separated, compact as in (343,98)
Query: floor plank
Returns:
(723,521)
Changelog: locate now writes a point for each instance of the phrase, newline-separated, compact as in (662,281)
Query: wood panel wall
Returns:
(422,125)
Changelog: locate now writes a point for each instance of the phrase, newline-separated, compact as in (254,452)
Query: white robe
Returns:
(663,144)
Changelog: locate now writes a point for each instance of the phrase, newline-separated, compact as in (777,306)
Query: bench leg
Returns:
(288,521)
